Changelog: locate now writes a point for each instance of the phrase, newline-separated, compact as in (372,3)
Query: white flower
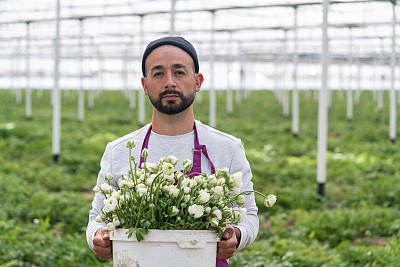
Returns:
(214,222)
(116,195)
(223,172)
(186,190)
(199,179)
(219,191)
(270,200)
(186,198)
(221,181)
(172,159)
(169,178)
(140,186)
(152,167)
(108,177)
(99,219)
(110,204)
(239,213)
(208,210)
(106,188)
(149,181)
(175,210)
(185,182)
(204,197)
(165,188)
(110,226)
(236,190)
(196,210)
(139,172)
(116,222)
(173,191)
(178,175)
(130,184)
(217,213)
(168,168)
(240,200)
(142,191)
(122,183)
(237,177)
(212,179)
(193,183)
(96,189)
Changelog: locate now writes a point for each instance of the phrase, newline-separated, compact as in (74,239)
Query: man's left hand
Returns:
(227,246)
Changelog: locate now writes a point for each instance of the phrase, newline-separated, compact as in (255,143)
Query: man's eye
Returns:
(179,72)
(157,74)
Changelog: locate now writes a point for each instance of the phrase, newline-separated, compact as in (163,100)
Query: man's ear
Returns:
(199,81)
(144,84)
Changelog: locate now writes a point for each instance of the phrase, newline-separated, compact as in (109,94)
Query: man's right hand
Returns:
(102,245)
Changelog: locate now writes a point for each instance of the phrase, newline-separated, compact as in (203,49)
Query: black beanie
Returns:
(171,40)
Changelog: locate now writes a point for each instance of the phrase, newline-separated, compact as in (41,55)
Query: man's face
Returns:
(170,81)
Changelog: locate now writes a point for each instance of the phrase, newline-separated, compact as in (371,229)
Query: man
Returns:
(171,80)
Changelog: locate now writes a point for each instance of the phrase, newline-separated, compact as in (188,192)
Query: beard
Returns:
(171,107)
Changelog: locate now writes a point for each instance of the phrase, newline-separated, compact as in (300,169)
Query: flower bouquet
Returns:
(155,196)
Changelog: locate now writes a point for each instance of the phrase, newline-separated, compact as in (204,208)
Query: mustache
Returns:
(170,91)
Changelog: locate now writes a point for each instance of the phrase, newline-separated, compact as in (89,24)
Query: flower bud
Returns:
(145,153)
(96,189)
(240,200)
(208,210)
(99,219)
(108,177)
(172,159)
(270,200)
(130,144)
(187,165)
(116,222)
(111,226)
(214,222)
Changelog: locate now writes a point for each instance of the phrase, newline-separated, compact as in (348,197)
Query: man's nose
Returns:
(169,82)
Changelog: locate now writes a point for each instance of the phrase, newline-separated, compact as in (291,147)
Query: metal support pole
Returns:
(28,93)
(392,117)
(285,90)
(81,94)
(295,97)
(349,113)
(213,108)
(322,106)
(141,113)
(56,90)
(229,97)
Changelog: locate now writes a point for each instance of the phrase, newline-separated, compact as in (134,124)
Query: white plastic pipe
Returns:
(295,96)
(56,144)
(213,104)
(322,105)
(349,109)
(28,93)
(81,94)
(141,113)
(392,117)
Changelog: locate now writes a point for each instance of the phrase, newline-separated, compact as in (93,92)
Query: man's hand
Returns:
(227,246)
(102,245)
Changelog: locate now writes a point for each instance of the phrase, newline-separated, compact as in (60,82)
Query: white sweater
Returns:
(224,151)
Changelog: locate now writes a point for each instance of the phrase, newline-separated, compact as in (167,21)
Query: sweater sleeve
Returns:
(250,225)
(97,204)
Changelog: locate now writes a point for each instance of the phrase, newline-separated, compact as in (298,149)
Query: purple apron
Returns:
(196,167)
